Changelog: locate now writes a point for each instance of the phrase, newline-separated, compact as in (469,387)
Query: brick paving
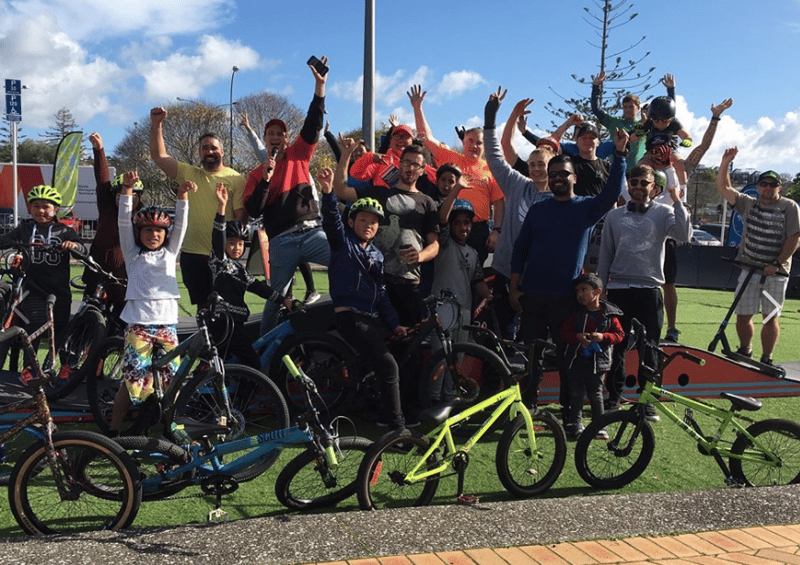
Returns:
(770,545)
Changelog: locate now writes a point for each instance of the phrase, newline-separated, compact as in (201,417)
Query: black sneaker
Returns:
(741,351)
(767,360)
(672,335)
(611,405)
(650,413)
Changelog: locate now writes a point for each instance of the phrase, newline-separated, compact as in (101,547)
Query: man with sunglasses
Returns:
(631,264)
(550,249)
(770,237)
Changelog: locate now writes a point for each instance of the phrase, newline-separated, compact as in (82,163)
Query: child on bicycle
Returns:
(231,280)
(457,269)
(151,308)
(589,332)
(49,271)
(364,315)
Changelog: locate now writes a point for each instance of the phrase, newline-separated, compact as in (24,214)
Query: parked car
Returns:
(701,237)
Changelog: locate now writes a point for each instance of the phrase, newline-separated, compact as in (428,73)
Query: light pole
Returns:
(235,68)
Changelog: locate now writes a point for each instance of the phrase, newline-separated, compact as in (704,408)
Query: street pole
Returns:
(235,68)
(15,178)
(368,108)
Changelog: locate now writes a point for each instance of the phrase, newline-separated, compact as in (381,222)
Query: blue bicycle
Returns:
(322,475)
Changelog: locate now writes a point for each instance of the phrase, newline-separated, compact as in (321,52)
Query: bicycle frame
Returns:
(508,399)
(727,418)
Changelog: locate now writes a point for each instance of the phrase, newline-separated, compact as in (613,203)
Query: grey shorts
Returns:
(753,300)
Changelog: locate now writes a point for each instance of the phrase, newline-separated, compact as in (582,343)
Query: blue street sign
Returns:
(13,86)
(13,107)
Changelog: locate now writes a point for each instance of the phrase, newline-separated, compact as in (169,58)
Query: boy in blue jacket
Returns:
(364,315)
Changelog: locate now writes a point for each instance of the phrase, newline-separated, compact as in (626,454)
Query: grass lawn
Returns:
(677,464)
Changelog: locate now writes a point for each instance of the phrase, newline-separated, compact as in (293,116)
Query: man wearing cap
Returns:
(770,237)
(203,204)
(280,192)
(383,170)
(483,192)
(631,265)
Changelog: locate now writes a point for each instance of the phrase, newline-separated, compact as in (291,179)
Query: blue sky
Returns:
(109,63)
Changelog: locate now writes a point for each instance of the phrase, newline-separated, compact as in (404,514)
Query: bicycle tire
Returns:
(601,463)
(301,484)
(326,359)
(12,448)
(468,384)
(782,437)
(152,456)
(526,474)
(257,405)
(102,385)
(102,480)
(381,475)
(82,339)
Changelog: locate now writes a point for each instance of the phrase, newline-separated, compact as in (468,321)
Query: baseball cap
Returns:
(402,128)
(275,122)
(551,142)
(587,128)
(770,175)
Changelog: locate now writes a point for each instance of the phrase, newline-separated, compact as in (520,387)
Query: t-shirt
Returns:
(203,203)
(483,189)
(410,217)
(592,176)
(766,227)
(456,268)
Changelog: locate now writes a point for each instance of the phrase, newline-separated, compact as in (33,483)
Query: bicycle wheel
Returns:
(82,339)
(613,463)
(782,438)
(326,359)
(474,367)
(102,385)
(257,407)
(307,482)
(103,491)
(525,473)
(153,457)
(12,448)
(383,470)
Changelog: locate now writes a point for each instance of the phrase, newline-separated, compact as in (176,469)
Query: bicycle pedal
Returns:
(218,515)
(468,499)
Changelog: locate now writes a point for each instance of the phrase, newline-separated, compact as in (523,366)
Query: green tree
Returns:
(792,190)
(65,123)
(30,151)
(622,76)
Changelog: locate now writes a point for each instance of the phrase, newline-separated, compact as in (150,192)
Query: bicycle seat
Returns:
(742,402)
(198,430)
(439,413)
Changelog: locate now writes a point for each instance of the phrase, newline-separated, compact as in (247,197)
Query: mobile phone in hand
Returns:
(321,67)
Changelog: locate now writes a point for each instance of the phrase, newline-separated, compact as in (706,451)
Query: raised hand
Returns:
(222,195)
(729,155)
(158,115)
(325,179)
(668,81)
(96,141)
(621,140)
(598,80)
(416,95)
(717,110)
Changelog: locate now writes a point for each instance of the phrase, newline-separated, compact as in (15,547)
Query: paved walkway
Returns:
(772,545)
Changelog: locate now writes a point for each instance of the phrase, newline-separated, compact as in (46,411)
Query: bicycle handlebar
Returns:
(299,375)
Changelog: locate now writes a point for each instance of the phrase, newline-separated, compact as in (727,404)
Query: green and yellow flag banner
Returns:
(65,170)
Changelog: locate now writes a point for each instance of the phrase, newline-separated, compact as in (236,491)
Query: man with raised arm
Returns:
(484,194)
(196,248)
(283,197)
(770,237)
(520,191)
(551,246)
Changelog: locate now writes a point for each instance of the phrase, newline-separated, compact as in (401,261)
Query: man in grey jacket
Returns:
(631,264)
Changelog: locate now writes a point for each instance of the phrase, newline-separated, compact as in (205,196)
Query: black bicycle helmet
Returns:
(366,205)
(661,108)
(235,228)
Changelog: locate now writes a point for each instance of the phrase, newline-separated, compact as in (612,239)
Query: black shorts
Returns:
(670,261)
(196,276)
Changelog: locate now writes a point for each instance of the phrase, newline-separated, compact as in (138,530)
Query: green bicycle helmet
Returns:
(116,185)
(44,192)
(366,205)
(660,179)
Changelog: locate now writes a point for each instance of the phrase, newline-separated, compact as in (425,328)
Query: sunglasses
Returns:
(765,184)
(642,183)
(562,174)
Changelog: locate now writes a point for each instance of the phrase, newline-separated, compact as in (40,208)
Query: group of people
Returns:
(580,245)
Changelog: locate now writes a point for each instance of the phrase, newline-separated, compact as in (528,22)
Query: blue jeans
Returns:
(286,252)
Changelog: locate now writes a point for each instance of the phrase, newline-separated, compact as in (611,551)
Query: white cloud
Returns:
(187,74)
(457,82)
(770,143)
(92,20)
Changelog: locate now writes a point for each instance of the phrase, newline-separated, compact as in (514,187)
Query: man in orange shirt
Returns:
(483,193)
(382,170)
